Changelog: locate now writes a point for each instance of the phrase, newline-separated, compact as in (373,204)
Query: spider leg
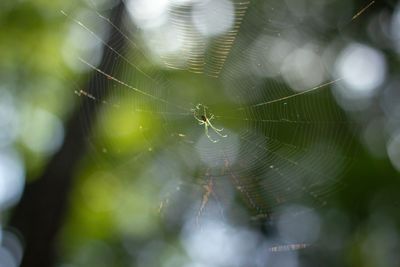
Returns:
(217,131)
(222,135)
(196,117)
(205,111)
(215,128)
(207,134)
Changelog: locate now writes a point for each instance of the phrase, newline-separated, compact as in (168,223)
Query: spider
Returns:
(200,114)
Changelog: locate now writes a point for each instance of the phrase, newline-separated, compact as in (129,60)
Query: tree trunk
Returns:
(40,213)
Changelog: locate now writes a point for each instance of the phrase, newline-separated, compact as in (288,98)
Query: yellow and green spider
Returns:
(200,114)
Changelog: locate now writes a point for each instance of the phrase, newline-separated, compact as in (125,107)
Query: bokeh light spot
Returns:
(362,68)
(213,18)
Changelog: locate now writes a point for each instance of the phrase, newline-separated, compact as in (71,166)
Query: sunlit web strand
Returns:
(122,57)
(205,55)
(130,86)
(105,102)
(291,96)
(86,94)
(122,33)
(288,247)
(362,10)
(280,120)
(114,26)
(164,112)
(90,96)
(108,21)
(108,46)
(356,16)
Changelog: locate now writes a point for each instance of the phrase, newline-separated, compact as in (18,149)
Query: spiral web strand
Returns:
(283,145)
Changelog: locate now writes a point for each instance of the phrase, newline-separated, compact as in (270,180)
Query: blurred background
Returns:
(199,133)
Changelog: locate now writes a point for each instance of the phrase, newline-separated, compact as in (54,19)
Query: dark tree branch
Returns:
(40,214)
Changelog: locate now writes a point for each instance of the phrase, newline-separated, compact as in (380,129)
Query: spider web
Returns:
(283,145)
